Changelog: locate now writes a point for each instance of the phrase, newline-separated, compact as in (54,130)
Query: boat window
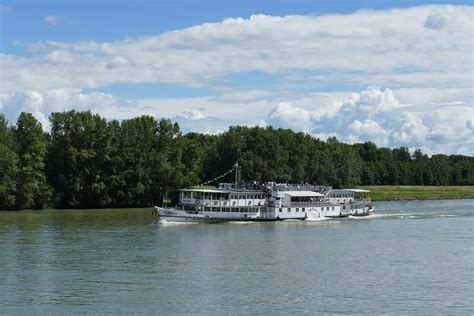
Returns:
(235,209)
(302,210)
(289,210)
(297,209)
(333,208)
(327,208)
(281,210)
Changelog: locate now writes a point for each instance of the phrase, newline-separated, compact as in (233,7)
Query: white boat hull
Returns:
(181,216)
(174,215)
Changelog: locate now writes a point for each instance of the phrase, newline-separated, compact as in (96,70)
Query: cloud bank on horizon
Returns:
(318,74)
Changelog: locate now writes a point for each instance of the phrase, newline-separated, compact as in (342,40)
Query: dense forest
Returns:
(86,161)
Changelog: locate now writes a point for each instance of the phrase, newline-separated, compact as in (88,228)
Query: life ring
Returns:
(234,203)
(250,202)
(215,202)
(197,202)
(225,202)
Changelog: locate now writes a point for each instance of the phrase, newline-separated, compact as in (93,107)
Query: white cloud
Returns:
(424,54)
(376,115)
(410,133)
(288,116)
(390,47)
(52,20)
(4,9)
(194,114)
(448,17)
(373,114)
(43,104)
(367,130)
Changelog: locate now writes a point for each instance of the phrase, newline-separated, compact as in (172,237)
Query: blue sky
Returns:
(329,68)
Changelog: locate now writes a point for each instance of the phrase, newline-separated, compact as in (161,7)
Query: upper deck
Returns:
(223,197)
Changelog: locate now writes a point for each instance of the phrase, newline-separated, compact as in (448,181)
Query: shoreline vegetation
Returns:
(83,161)
(413,192)
(378,193)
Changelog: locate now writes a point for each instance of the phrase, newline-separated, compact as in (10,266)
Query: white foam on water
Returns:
(370,216)
(317,219)
(409,217)
(358,217)
(242,222)
(164,222)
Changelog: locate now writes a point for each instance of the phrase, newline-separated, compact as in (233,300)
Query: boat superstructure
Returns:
(265,202)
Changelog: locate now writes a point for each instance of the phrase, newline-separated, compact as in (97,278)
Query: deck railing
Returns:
(325,203)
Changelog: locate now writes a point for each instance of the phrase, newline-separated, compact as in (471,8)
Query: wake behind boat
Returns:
(265,202)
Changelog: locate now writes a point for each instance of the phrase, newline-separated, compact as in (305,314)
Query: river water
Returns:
(411,257)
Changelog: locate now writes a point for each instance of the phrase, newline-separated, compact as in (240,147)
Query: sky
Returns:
(397,73)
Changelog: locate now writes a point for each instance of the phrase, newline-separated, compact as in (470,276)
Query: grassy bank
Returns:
(409,192)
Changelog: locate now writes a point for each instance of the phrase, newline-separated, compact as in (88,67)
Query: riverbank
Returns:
(379,193)
(412,192)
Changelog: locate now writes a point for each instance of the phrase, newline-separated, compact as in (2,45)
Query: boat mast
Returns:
(237,174)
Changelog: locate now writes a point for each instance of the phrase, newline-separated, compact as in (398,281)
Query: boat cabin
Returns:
(222,200)
(297,198)
(347,195)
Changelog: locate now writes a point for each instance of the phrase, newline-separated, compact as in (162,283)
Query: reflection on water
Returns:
(409,257)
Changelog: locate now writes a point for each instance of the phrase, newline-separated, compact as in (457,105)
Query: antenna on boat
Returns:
(237,174)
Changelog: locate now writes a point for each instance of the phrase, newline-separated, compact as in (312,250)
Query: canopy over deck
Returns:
(217,190)
(301,193)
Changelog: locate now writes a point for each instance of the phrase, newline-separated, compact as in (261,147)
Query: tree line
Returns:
(85,161)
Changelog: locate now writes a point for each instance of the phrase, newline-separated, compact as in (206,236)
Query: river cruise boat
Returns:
(265,202)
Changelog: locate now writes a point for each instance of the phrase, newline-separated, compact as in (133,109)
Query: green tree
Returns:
(32,189)
(77,159)
(8,167)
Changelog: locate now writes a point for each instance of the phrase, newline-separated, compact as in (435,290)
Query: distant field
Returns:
(410,192)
